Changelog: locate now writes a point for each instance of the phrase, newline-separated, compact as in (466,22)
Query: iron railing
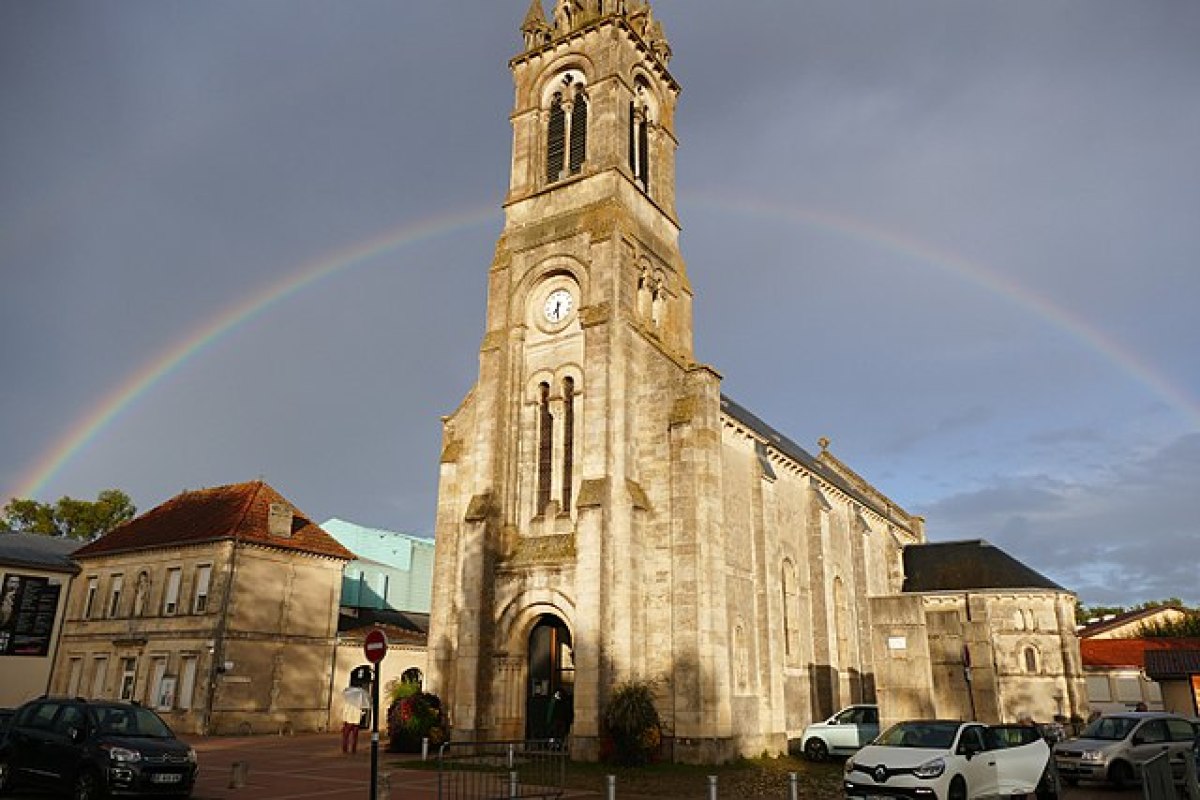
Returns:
(502,770)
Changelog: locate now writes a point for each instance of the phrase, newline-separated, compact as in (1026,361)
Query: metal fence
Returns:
(502,770)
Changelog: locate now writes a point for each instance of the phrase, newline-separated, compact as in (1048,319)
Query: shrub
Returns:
(412,716)
(631,726)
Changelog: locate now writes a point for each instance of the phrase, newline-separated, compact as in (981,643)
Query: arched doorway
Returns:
(550,699)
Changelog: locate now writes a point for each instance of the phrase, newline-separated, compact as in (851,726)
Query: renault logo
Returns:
(880,773)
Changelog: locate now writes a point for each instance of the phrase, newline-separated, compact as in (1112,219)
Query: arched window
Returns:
(566,132)
(640,113)
(568,441)
(412,675)
(1031,659)
(790,609)
(545,448)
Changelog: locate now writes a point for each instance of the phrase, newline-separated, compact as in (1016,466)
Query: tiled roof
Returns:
(1165,664)
(240,512)
(967,565)
(1126,618)
(1130,653)
(38,551)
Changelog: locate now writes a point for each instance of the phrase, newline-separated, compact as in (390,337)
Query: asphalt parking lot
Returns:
(312,767)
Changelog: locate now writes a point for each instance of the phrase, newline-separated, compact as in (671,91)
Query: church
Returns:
(605,512)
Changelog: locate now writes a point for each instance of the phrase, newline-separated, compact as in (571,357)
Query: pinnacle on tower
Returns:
(535,28)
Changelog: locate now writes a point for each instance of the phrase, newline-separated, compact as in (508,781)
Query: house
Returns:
(217,608)
(1130,624)
(35,575)
(1162,673)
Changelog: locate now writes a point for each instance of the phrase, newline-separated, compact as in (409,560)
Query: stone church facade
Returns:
(604,512)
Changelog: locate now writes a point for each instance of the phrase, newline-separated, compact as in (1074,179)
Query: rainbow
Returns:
(174,357)
(973,273)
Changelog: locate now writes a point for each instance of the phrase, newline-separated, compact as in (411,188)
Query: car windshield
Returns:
(1110,728)
(932,735)
(132,721)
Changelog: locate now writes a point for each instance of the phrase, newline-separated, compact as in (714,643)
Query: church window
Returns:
(568,441)
(790,612)
(566,131)
(1031,659)
(741,660)
(545,448)
(639,136)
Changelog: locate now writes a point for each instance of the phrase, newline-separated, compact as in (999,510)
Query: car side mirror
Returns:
(1139,740)
(971,749)
(76,735)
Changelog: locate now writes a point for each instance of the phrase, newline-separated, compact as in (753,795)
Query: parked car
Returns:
(842,734)
(93,748)
(1114,747)
(950,760)
(6,715)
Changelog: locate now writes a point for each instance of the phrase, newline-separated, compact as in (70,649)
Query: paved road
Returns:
(312,767)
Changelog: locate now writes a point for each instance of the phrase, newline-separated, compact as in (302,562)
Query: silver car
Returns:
(842,734)
(1114,747)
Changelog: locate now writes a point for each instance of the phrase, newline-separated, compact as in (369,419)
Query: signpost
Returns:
(375,647)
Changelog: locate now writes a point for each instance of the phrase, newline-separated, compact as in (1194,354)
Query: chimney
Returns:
(279,520)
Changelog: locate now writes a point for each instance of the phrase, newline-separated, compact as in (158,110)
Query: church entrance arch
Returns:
(550,698)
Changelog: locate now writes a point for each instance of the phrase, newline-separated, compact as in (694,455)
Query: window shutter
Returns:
(556,147)
(579,120)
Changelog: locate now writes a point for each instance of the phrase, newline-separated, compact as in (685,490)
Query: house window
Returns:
(74,675)
(187,682)
(171,596)
(1098,689)
(114,596)
(128,677)
(141,592)
(89,599)
(203,578)
(99,676)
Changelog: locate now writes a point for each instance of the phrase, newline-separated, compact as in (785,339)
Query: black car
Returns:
(94,748)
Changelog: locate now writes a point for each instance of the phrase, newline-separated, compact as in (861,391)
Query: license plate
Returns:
(166,777)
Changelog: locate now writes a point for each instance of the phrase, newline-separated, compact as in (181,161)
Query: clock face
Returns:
(558,305)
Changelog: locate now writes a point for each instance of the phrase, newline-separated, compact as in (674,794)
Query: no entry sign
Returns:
(375,645)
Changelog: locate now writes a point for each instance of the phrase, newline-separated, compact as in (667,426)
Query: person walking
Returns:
(354,703)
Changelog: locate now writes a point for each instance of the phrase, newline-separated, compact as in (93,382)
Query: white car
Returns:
(842,734)
(950,760)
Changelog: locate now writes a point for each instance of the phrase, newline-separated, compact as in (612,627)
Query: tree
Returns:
(78,519)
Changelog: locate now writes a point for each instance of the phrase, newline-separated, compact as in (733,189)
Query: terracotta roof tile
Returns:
(1128,652)
(240,511)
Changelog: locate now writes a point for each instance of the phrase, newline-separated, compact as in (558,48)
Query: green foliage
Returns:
(631,726)
(78,519)
(1187,627)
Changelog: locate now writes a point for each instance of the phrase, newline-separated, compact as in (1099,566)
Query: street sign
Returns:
(375,645)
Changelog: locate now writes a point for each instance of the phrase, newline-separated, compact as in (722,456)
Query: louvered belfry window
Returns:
(639,145)
(579,120)
(556,146)
(568,440)
(545,448)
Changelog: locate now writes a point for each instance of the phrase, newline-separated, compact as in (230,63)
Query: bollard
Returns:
(514,785)
(425,748)
(712,787)
(383,788)
(237,774)
(610,787)
(511,754)
(793,786)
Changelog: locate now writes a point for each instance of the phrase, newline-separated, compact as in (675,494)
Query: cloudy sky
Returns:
(960,239)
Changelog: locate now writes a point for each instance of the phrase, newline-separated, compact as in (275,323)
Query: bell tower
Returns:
(578,500)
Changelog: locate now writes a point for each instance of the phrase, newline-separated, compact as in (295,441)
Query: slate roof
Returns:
(967,565)
(1173,663)
(38,551)
(239,512)
(870,499)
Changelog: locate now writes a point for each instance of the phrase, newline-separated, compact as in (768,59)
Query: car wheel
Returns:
(815,750)
(87,786)
(1120,774)
(958,788)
